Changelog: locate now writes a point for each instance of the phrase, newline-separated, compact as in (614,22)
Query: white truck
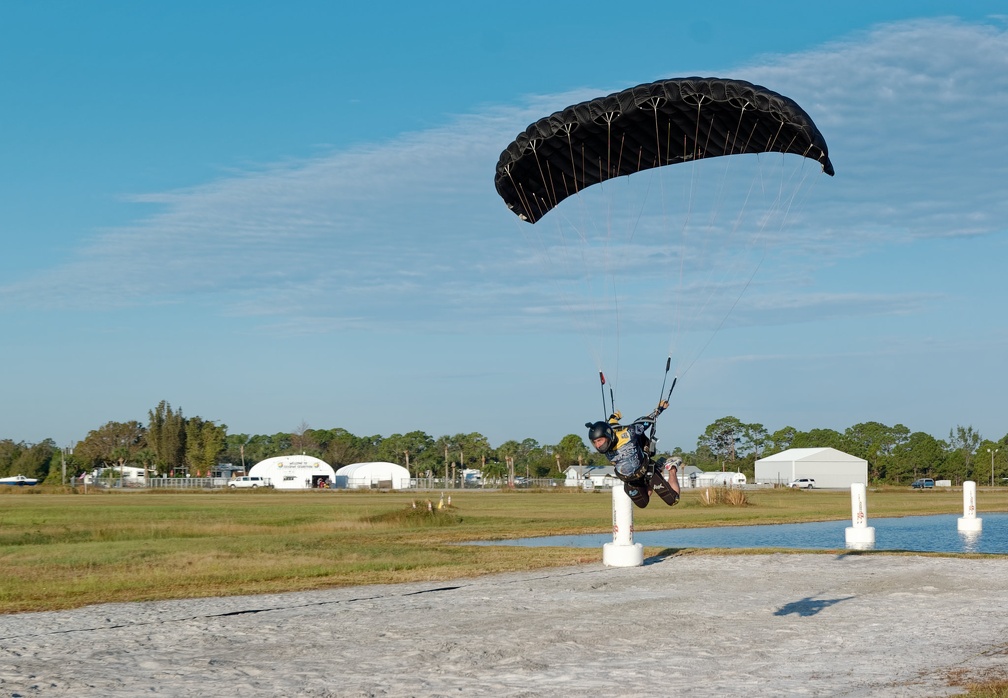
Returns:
(252,481)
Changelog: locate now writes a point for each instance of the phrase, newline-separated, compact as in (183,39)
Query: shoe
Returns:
(670,469)
(672,462)
(670,465)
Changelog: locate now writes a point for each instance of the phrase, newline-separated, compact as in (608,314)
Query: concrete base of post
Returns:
(974,524)
(860,537)
(615,555)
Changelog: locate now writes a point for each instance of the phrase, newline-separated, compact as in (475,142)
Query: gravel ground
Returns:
(702,625)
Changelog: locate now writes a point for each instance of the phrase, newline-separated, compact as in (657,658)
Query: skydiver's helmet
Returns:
(601,430)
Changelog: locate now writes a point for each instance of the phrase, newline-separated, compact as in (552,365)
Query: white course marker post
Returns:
(969,520)
(622,552)
(859,535)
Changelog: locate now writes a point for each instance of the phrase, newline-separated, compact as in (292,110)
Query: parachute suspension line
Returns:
(601,377)
(568,129)
(729,311)
(666,223)
(562,261)
(519,189)
(534,146)
(782,204)
(731,143)
(731,146)
(605,316)
(773,141)
(689,155)
(581,264)
(583,247)
(577,270)
(708,288)
(562,257)
(612,398)
(787,201)
(552,186)
(661,393)
(618,320)
(610,273)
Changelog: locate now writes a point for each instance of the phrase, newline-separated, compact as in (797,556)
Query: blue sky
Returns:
(274,214)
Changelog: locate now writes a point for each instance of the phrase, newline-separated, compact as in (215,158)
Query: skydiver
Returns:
(628,448)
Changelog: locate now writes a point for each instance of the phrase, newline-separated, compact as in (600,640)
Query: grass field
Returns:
(62,550)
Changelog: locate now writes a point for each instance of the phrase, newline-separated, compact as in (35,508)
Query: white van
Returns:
(249,481)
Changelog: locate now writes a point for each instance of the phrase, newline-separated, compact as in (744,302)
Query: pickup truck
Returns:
(924,483)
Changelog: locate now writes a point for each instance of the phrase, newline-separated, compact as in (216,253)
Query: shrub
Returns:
(731,496)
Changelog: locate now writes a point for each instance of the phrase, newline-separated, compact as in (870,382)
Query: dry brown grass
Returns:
(986,684)
(725,496)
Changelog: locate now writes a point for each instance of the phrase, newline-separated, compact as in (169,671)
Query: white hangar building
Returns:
(381,475)
(294,472)
(827,466)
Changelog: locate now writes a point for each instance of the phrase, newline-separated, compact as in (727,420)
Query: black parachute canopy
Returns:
(651,125)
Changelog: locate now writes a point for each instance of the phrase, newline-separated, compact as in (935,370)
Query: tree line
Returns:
(895,455)
(171,444)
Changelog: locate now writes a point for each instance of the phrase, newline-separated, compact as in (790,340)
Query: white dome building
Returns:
(381,475)
(294,472)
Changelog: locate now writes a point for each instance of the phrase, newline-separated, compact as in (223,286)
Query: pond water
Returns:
(938,534)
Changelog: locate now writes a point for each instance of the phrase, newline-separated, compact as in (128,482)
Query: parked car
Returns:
(805,483)
(924,483)
(249,481)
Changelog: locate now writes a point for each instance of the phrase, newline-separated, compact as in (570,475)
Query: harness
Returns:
(646,449)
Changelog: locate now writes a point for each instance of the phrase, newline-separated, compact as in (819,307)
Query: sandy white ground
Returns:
(803,624)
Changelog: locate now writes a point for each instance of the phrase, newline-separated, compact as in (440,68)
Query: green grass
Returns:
(60,550)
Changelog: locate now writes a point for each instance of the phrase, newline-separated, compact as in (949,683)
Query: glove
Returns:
(658,410)
(615,417)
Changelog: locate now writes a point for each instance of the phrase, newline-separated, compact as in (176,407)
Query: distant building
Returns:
(379,475)
(227,470)
(717,478)
(294,472)
(689,476)
(827,466)
(597,475)
(129,474)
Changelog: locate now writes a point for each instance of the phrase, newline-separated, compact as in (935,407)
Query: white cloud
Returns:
(910,111)
(411,230)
